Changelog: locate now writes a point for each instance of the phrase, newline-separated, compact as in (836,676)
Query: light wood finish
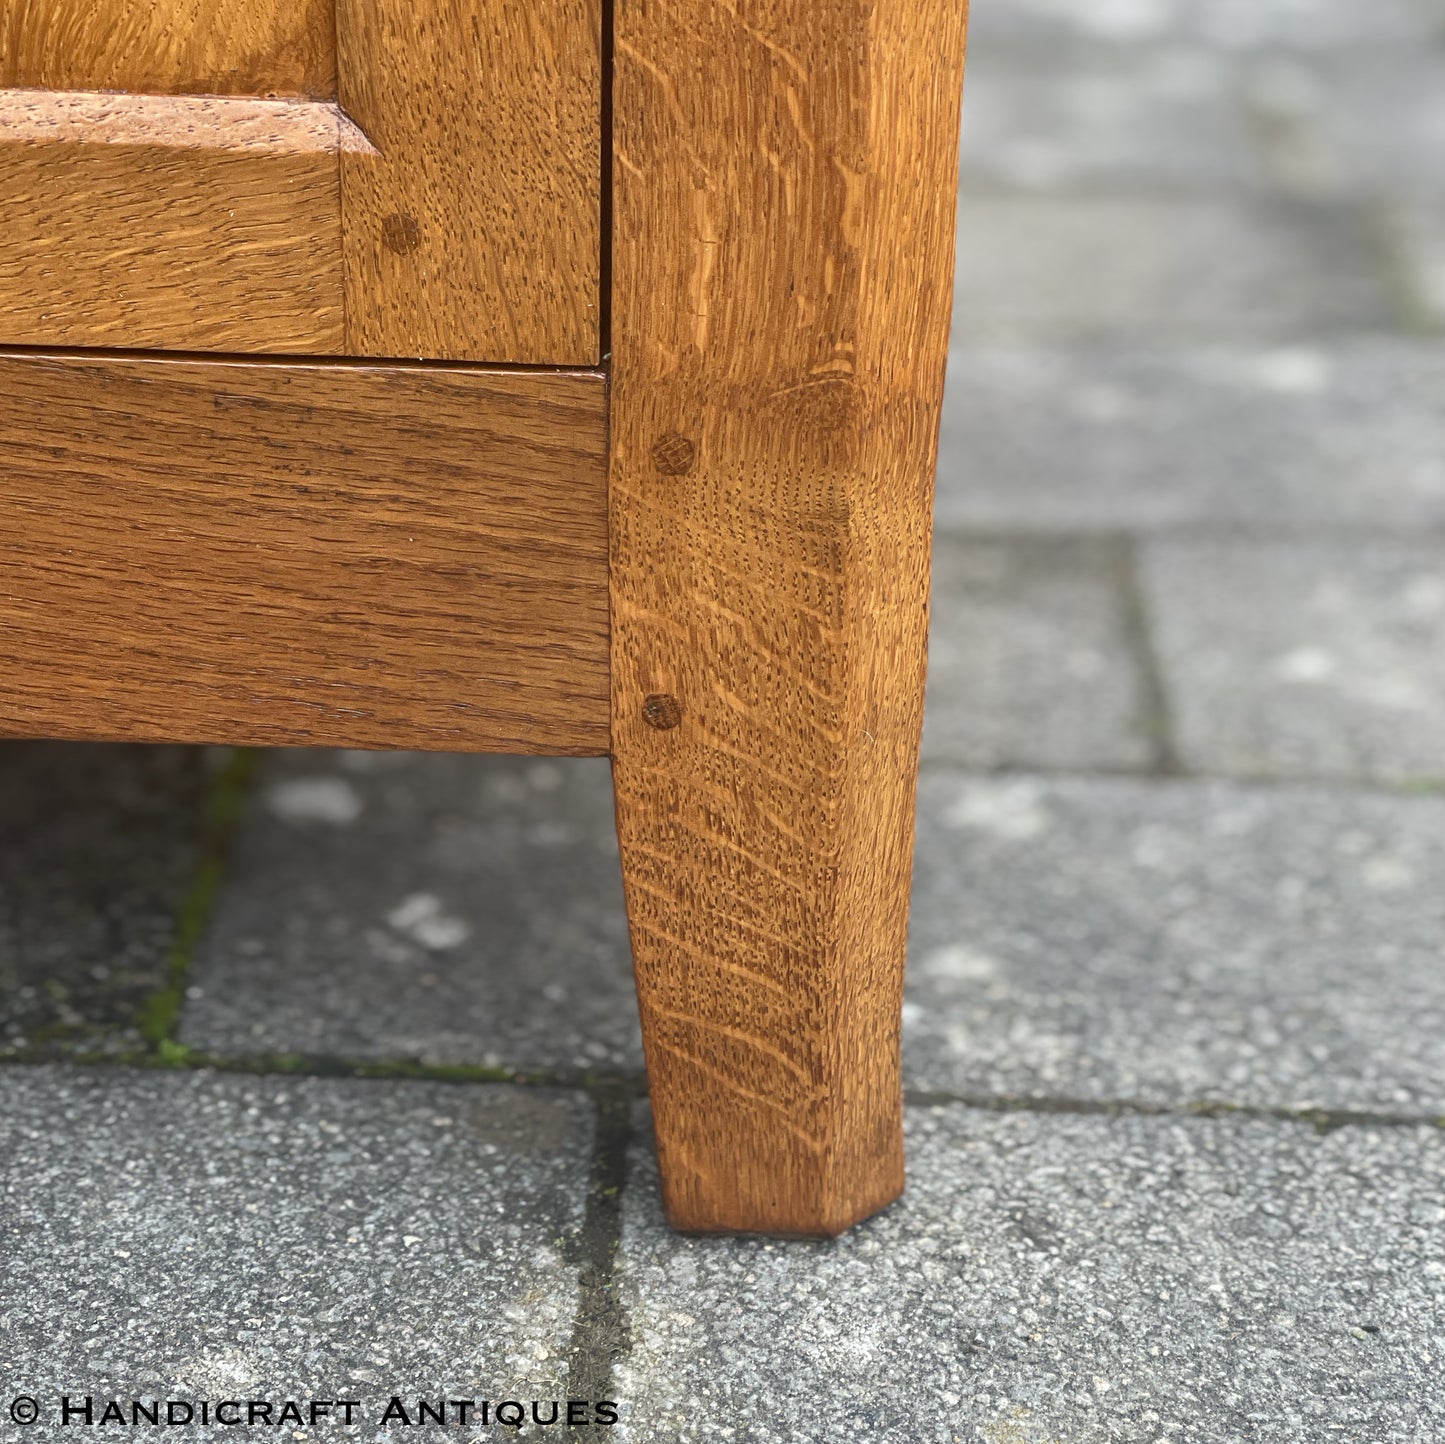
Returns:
(317,555)
(179,222)
(475,234)
(784,201)
(172,47)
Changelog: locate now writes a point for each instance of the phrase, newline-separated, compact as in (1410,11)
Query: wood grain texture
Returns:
(152,238)
(299,554)
(171,47)
(475,234)
(782,251)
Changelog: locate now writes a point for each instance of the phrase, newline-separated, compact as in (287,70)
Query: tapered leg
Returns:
(782,253)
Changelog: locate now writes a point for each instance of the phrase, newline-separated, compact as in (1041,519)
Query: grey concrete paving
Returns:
(1323,435)
(100,847)
(1030,662)
(437,908)
(1170,117)
(1171,942)
(1303,660)
(1193,265)
(1067,1280)
(192,1236)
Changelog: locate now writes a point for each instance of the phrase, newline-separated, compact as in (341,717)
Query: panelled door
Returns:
(380,178)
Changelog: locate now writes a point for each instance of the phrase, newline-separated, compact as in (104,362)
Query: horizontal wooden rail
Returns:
(303,554)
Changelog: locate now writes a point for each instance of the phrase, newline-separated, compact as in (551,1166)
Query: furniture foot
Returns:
(768,924)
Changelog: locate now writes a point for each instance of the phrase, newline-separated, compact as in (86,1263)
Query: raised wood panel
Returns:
(303,554)
(177,222)
(782,254)
(475,233)
(171,47)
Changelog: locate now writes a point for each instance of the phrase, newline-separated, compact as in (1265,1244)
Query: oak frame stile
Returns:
(784,181)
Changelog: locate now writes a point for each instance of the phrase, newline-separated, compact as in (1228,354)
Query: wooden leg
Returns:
(782,259)
(768,918)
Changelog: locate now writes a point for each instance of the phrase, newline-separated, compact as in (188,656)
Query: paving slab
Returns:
(1303,659)
(102,844)
(191,1236)
(1029,658)
(1060,1278)
(1231,24)
(1319,435)
(1173,942)
(1164,117)
(441,908)
(1108,267)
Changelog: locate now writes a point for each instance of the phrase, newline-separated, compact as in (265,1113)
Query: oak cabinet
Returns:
(504,375)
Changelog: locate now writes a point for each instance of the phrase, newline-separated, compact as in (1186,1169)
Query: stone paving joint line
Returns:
(159,1016)
(602,1331)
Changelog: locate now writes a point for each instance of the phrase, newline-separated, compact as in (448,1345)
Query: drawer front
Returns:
(381,178)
